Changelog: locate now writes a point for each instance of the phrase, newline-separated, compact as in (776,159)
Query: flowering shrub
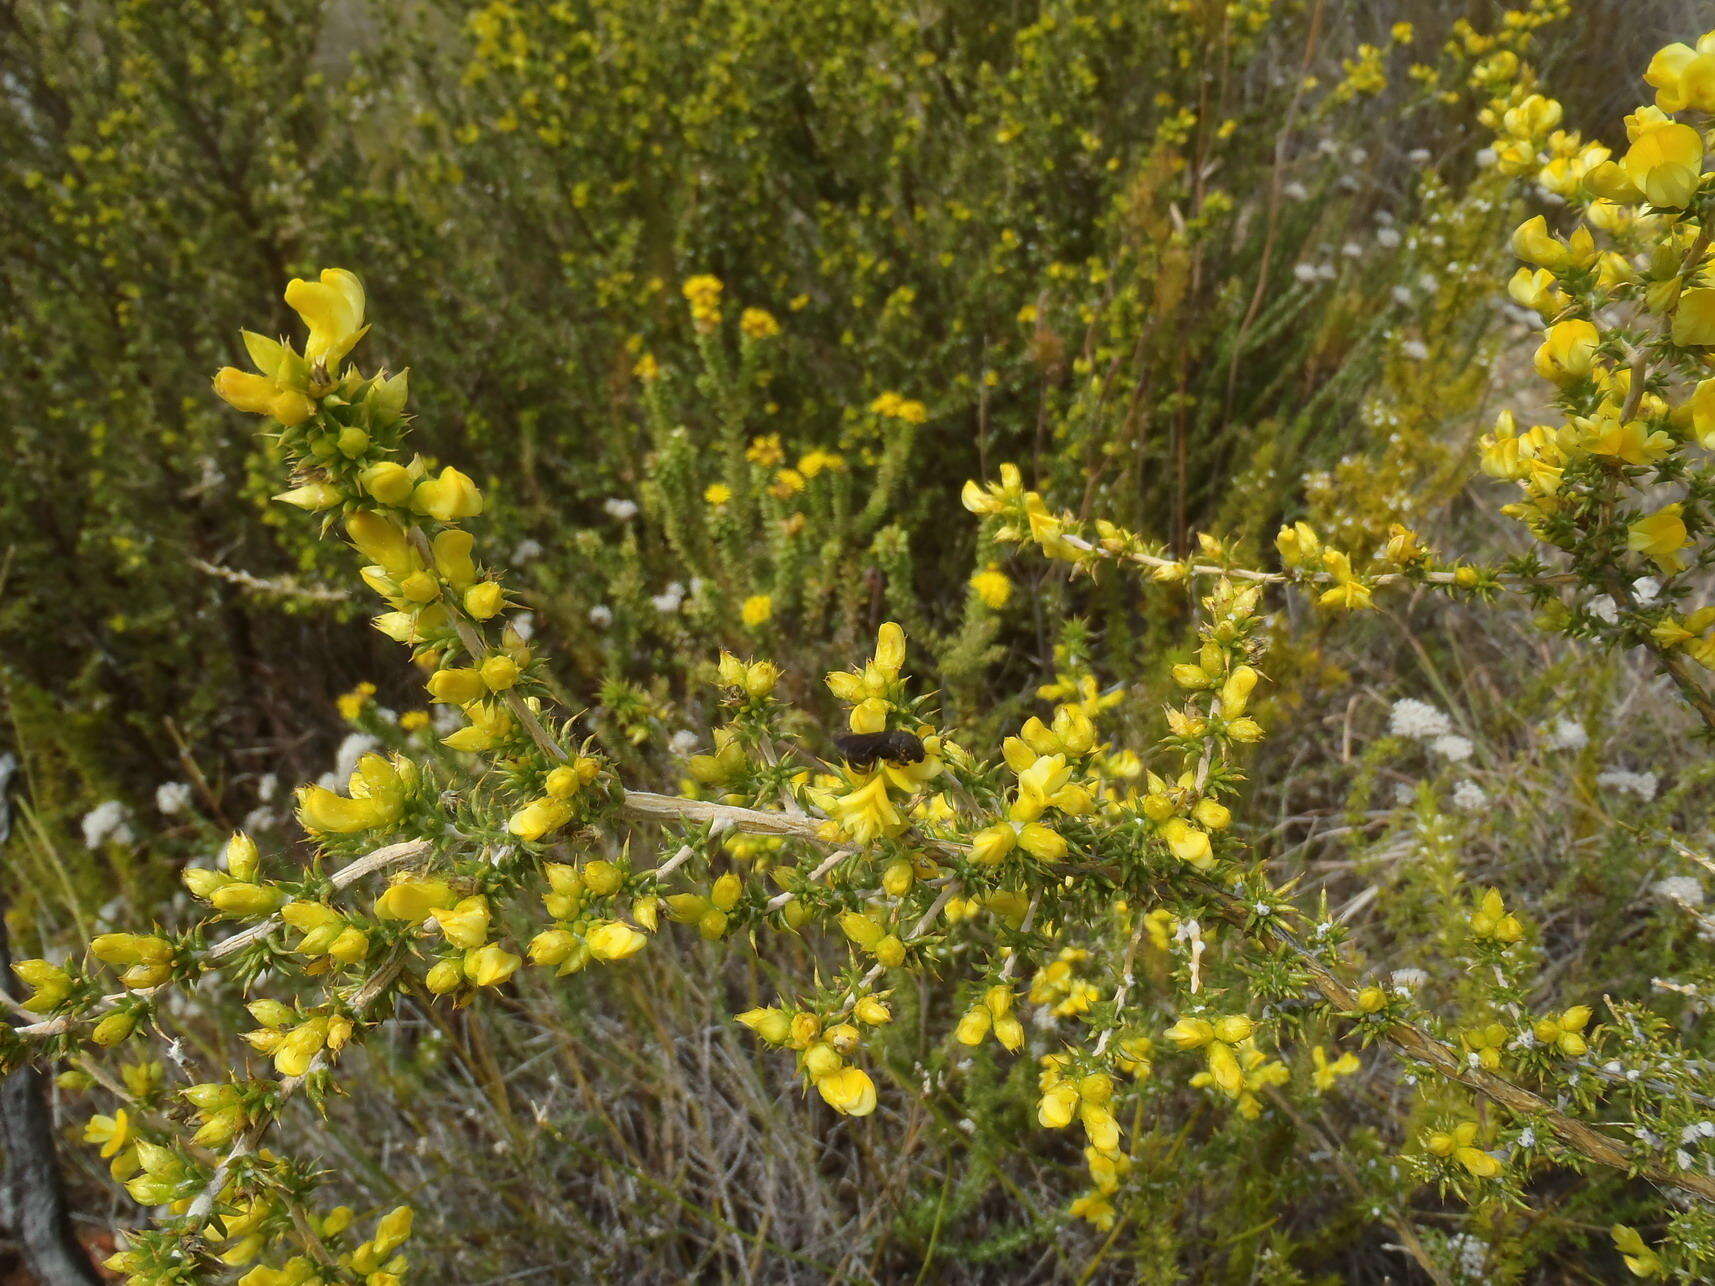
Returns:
(1076,923)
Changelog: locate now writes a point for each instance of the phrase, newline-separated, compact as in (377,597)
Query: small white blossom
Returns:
(173,797)
(1408,978)
(683,742)
(1418,156)
(1566,734)
(1679,888)
(1305,272)
(354,747)
(1402,295)
(267,786)
(1646,589)
(1641,784)
(666,604)
(601,616)
(1417,719)
(1452,747)
(1485,158)
(526,549)
(1388,238)
(1295,191)
(1469,797)
(1415,349)
(107,821)
(620,508)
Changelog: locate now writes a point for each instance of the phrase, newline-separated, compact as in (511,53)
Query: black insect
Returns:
(862,749)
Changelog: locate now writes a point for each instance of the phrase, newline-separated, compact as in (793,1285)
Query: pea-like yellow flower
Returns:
(614,940)
(848,1090)
(1659,537)
(1683,76)
(332,308)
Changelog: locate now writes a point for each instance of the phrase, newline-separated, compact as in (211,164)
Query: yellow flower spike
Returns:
(332,308)
(490,723)
(445,976)
(490,966)
(848,1091)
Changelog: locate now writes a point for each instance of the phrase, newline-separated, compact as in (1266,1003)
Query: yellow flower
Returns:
(758,323)
(539,818)
(1665,163)
(1640,1260)
(491,965)
(1327,1073)
(1694,319)
(1684,77)
(1568,352)
(448,498)
(717,493)
(848,1091)
(703,293)
(278,390)
(993,586)
(756,611)
(333,310)
(614,940)
(1659,537)
(413,900)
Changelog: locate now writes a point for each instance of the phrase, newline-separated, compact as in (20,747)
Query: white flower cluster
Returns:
(108,821)
(1641,784)
(1418,720)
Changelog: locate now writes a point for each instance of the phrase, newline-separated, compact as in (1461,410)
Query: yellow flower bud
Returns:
(448,498)
(485,600)
(771,1024)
